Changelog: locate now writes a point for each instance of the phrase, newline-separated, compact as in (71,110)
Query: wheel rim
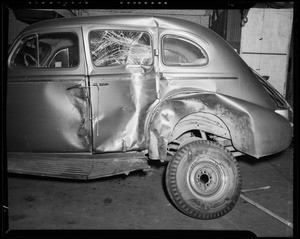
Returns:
(206,179)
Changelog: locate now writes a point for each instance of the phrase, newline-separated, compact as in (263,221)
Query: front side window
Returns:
(26,54)
(118,47)
(181,51)
(51,50)
(60,59)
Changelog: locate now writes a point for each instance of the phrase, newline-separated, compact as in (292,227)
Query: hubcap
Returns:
(206,179)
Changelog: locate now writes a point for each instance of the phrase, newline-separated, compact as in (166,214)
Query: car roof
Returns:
(122,20)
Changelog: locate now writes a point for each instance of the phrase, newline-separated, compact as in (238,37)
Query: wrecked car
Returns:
(93,97)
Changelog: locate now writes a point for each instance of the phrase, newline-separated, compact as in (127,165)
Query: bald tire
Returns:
(203,180)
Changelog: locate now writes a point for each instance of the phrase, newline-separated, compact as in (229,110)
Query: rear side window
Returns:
(51,50)
(120,48)
(181,51)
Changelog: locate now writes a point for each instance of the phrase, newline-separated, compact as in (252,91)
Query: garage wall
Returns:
(228,26)
(14,26)
(265,43)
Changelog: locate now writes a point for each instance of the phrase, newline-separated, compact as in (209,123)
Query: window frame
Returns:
(18,47)
(186,39)
(119,29)
(36,35)
(59,51)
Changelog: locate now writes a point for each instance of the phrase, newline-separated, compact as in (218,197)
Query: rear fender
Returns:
(228,117)
(215,115)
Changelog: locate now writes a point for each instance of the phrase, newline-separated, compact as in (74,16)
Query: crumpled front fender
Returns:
(254,130)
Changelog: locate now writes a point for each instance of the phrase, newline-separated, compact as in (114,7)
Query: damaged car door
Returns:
(123,86)
(47,97)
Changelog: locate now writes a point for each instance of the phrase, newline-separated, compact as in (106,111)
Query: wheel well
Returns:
(200,126)
(198,123)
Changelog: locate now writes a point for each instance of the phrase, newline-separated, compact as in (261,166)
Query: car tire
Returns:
(203,180)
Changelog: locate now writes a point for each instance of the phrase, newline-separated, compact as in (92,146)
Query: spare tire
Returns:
(203,180)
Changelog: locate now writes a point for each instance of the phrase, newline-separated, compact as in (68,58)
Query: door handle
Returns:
(100,84)
(78,86)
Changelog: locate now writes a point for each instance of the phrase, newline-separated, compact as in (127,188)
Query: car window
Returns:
(26,53)
(67,57)
(181,51)
(44,52)
(53,50)
(60,59)
(118,47)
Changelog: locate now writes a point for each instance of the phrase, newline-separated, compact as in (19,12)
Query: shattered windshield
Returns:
(118,47)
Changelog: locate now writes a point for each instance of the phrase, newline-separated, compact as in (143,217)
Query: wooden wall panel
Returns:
(253,61)
(277,26)
(276,68)
(252,31)
(265,43)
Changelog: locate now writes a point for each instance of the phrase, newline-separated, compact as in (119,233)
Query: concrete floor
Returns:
(140,201)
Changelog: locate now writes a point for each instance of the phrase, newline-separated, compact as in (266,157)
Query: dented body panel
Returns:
(222,116)
(119,124)
(45,113)
(135,83)
(121,95)
(50,118)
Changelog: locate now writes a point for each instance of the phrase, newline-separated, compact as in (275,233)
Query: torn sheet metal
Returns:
(71,109)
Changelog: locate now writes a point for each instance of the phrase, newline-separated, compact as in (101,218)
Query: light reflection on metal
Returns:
(140,104)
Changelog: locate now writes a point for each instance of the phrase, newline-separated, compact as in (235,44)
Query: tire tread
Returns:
(176,196)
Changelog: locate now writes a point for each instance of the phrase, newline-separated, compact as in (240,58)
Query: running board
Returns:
(76,166)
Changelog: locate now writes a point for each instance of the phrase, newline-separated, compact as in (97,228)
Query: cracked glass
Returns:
(120,47)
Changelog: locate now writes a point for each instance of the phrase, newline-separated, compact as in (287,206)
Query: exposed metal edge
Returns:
(236,154)
(217,76)
(265,53)
(75,155)
(207,78)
